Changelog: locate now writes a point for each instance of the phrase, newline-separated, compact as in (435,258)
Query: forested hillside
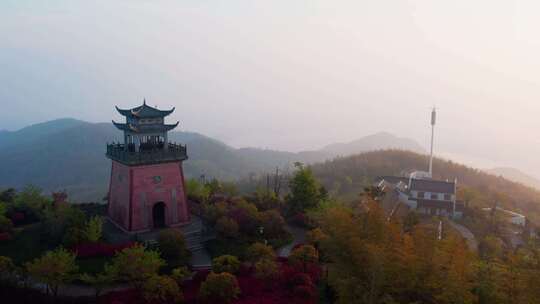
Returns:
(346,176)
(69,154)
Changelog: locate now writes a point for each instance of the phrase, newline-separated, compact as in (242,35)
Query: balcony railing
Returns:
(172,152)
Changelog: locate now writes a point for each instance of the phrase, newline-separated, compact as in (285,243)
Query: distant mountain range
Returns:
(69,154)
(516,175)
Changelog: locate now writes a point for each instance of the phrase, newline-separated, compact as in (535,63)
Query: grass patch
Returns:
(26,245)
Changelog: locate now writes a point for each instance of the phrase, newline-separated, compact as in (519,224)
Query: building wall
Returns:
(119,194)
(427,195)
(149,185)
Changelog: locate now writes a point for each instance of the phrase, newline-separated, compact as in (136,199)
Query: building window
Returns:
(447,197)
(434,196)
(421,194)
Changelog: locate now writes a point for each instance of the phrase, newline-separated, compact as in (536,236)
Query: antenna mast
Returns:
(433,120)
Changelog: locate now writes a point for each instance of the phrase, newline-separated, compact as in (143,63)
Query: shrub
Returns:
(227,227)
(226,263)
(135,265)
(162,289)
(94,229)
(53,268)
(219,288)
(180,274)
(172,246)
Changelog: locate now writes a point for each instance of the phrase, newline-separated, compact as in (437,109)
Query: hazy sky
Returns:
(286,74)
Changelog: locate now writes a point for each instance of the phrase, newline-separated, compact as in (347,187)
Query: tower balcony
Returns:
(160,154)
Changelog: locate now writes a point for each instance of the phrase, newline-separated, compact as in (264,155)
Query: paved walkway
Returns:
(466,234)
(299,237)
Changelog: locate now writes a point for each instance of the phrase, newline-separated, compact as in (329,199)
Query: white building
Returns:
(426,195)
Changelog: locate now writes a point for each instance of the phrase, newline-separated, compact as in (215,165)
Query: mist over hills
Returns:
(516,175)
(70,154)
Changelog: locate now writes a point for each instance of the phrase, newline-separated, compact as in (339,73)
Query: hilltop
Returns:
(345,177)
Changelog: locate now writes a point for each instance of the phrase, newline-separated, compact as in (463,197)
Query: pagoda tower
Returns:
(147,188)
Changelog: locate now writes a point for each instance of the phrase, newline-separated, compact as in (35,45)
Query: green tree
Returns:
(162,289)
(197,191)
(173,246)
(94,229)
(304,193)
(219,288)
(226,263)
(180,274)
(135,265)
(32,202)
(53,269)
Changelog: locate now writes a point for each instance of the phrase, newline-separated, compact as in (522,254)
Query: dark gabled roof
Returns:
(144,128)
(393,179)
(144,111)
(431,185)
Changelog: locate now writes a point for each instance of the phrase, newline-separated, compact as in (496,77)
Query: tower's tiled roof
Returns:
(144,128)
(144,111)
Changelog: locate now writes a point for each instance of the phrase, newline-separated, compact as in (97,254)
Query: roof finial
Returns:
(144,101)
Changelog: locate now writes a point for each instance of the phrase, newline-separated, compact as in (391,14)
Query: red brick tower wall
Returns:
(134,191)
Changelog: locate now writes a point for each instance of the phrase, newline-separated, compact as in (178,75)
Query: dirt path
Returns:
(299,237)
(466,234)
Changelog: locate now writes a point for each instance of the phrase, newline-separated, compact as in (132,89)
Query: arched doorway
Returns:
(158,215)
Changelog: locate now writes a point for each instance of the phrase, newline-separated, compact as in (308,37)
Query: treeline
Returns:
(372,260)
(343,177)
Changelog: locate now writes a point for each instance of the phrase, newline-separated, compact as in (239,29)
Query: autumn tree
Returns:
(219,288)
(226,263)
(259,251)
(304,256)
(227,227)
(266,269)
(162,289)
